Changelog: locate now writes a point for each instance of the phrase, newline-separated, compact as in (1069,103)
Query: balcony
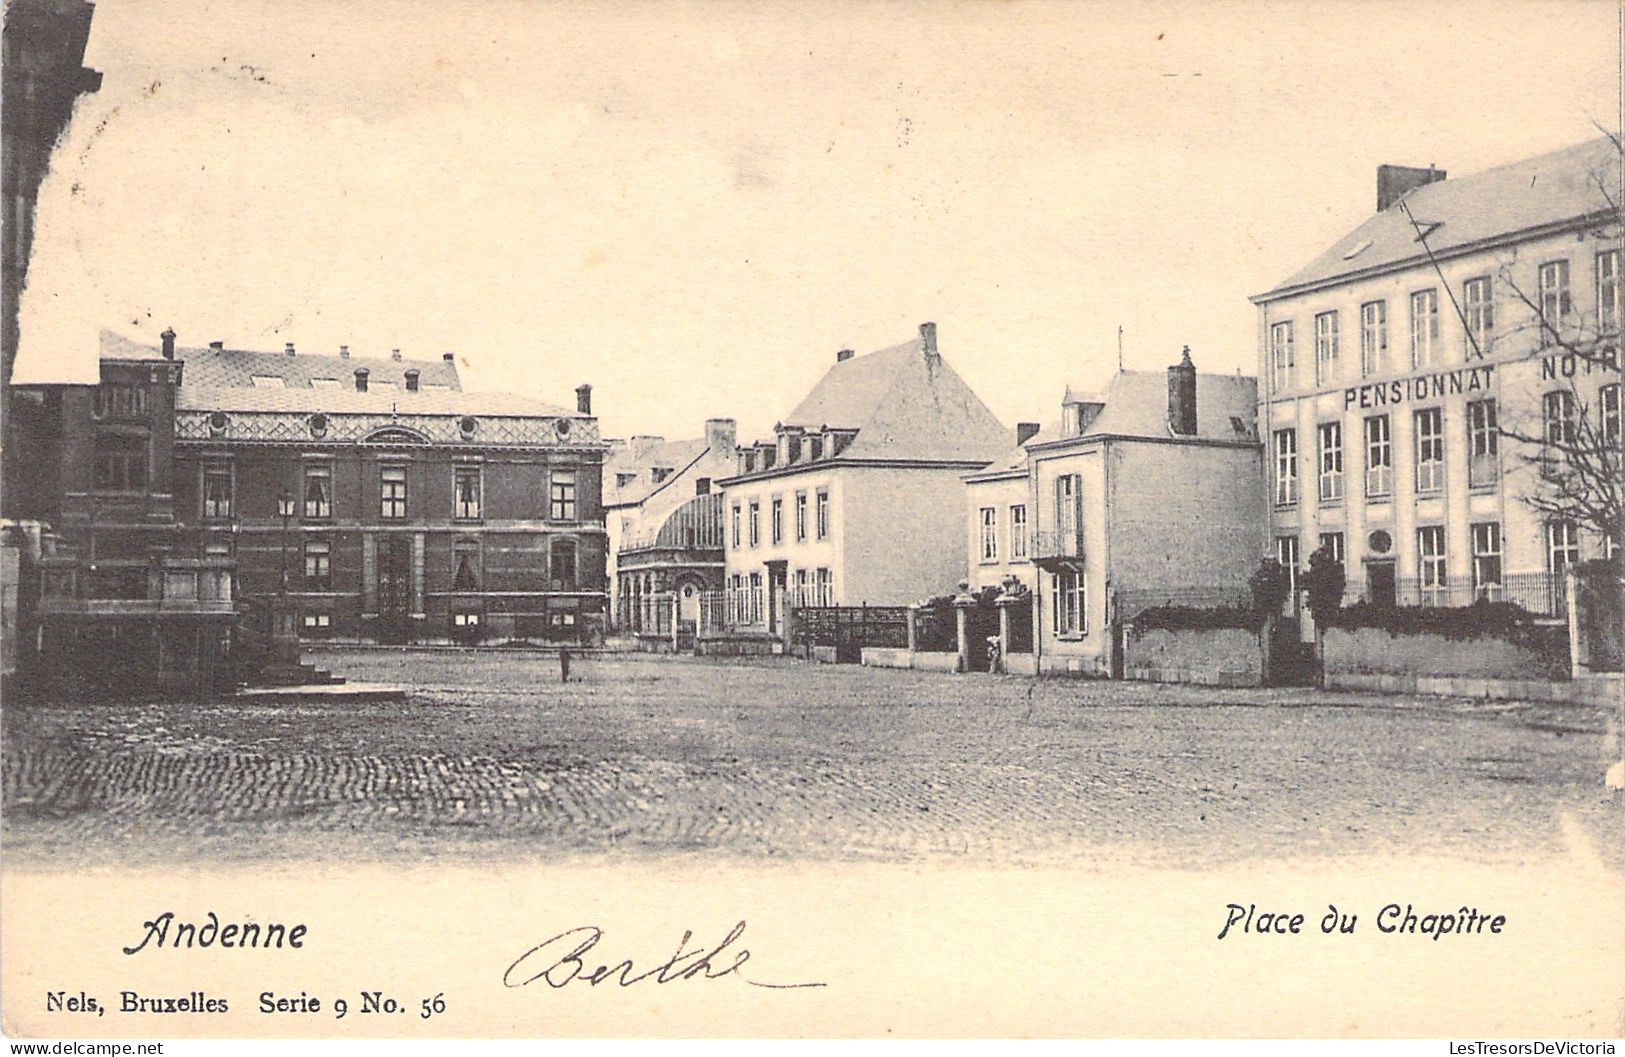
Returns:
(1058,548)
(171,587)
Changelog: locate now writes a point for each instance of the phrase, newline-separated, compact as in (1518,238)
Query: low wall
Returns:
(887,657)
(1541,655)
(737,645)
(1592,690)
(1204,656)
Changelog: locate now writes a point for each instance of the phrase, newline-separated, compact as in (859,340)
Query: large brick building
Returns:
(1399,368)
(350,498)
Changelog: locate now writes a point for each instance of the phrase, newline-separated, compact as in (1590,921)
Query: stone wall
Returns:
(1377,651)
(1205,656)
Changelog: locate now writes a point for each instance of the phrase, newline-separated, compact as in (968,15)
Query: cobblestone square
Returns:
(491,757)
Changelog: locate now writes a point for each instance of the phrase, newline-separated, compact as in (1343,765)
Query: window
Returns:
(1281,355)
(822,514)
(1373,337)
(1325,348)
(316,623)
(324,383)
(1608,399)
(1487,560)
(755,523)
(217,492)
(1070,618)
(1331,461)
(1333,542)
(1562,545)
(318,491)
(268,381)
(1068,519)
(563,563)
(624,479)
(803,596)
(1429,450)
(1286,467)
(1018,531)
(392,492)
(466,489)
(119,401)
(562,496)
(121,463)
(753,601)
(801,516)
(1379,456)
(465,620)
(990,534)
(1558,428)
(1430,569)
(465,574)
(1424,327)
(318,571)
(735,526)
(1479,314)
(659,473)
(1483,444)
(1554,298)
(1286,552)
(826,587)
(776,521)
(1608,295)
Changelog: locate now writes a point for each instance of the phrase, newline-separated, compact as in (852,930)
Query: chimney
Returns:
(288,348)
(843,355)
(395,354)
(360,379)
(412,380)
(1025,431)
(584,399)
(721,434)
(168,337)
(928,335)
(1396,181)
(448,357)
(1182,396)
(344,352)
(218,346)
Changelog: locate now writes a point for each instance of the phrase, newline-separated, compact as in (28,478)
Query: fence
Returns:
(848,629)
(1543,594)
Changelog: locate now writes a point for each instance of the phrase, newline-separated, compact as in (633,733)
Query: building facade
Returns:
(858,498)
(663,513)
(1147,494)
(1410,373)
(359,499)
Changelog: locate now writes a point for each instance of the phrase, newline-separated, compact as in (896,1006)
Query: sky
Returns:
(694,206)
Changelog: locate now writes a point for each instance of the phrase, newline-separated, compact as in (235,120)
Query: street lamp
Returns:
(284,509)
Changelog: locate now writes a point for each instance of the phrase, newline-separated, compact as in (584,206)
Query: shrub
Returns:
(1191,618)
(1482,619)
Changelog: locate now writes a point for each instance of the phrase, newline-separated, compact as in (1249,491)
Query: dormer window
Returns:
(268,381)
(1072,419)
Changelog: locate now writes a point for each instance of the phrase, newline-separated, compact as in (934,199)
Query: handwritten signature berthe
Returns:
(563,960)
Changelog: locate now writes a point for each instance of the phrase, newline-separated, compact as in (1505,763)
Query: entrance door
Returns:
(777,577)
(394,589)
(1379,583)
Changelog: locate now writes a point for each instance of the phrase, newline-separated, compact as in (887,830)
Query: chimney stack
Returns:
(1182,396)
(721,435)
(395,354)
(1396,181)
(1025,431)
(288,348)
(448,357)
(217,346)
(928,335)
(360,379)
(168,337)
(344,352)
(843,355)
(584,399)
(412,380)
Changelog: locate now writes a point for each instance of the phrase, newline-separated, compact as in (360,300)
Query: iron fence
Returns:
(1543,594)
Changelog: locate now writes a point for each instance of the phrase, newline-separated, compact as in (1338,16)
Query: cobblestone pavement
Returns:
(492,757)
